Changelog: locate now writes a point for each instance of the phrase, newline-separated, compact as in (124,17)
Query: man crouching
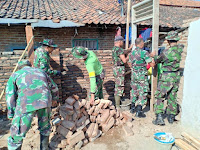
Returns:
(29,92)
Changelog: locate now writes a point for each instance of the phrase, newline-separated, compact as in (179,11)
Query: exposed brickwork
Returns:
(14,36)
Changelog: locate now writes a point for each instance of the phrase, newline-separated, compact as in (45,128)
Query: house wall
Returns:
(14,36)
(191,98)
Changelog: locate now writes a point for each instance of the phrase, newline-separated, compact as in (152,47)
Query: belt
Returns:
(119,65)
(170,71)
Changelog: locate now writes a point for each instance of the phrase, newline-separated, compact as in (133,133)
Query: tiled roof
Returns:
(174,16)
(181,3)
(82,11)
(172,12)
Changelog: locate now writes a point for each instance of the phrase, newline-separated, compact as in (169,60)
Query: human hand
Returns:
(54,103)
(152,54)
(130,48)
(92,99)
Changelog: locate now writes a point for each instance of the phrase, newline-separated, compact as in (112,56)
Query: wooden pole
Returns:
(155,39)
(134,28)
(29,34)
(17,63)
(128,22)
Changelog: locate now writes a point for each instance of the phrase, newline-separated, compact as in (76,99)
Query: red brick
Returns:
(83,102)
(93,119)
(127,116)
(70,101)
(75,138)
(63,131)
(105,115)
(81,121)
(91,110)
(107,126)
(96,130)
(77,105)
(68,124)
(90,130)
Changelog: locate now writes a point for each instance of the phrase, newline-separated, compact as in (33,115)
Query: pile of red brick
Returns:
(77,122)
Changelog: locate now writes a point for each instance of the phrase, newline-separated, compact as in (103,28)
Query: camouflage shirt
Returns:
(116,52)
(170,58)
(29,89)
(42,60)
(139,59)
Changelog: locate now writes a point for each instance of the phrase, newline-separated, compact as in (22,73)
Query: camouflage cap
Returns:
(24,63)
(49,42)
(172,36)
(80,52)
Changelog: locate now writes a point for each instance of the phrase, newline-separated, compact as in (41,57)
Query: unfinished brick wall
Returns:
(14,36)
(76,79)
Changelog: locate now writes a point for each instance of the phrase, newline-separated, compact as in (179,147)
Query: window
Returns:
(91,44)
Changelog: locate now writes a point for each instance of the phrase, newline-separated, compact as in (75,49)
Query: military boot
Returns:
(171,118)
(159,120)
(44,142)
(19,148)
(139,112)
(117,101)
(132,108)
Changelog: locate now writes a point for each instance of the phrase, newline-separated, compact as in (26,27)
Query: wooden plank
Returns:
(144,9)
(29,35)
(142,3)
(143,14)
(183,145)
(142,19)
(155,39)
(127,23)
(191,140)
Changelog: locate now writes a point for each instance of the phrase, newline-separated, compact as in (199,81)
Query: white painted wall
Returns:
(191,91)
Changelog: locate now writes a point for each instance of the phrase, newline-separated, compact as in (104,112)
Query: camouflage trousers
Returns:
(119,74)
(167,90)
(139,89)
(99,87)
(21,123)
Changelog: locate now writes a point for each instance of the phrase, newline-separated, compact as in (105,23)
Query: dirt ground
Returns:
(115,139)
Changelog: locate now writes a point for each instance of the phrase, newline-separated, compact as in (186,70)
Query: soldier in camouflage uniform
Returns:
(139,58)
(95,70)
(169,79)
(29,92)
(119,60)
(42,58)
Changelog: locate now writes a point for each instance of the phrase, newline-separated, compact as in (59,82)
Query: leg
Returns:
(21,123)
(133,95)
(44,127)
(143,92)
(119,84)
(160,94)
(99,90)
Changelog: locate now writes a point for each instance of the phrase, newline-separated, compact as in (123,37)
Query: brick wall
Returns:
(14,36)
(76,79)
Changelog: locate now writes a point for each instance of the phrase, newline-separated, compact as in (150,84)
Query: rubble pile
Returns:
(76,122)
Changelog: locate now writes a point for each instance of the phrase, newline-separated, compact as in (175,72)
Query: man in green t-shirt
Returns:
(95,70)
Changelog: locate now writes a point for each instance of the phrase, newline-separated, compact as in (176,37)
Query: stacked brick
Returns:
(76,122)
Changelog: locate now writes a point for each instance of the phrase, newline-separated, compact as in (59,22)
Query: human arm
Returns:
(44,64)
(11,97)
(91,71)
(148,59)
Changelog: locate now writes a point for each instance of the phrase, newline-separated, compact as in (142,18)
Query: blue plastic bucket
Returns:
(162,145)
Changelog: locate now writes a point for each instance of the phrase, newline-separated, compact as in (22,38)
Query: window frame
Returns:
(73,41)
